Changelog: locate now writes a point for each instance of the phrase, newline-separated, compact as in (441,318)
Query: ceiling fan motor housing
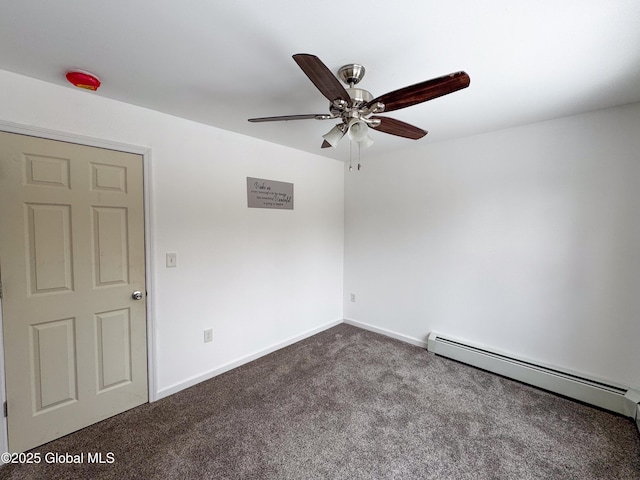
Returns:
(359,98)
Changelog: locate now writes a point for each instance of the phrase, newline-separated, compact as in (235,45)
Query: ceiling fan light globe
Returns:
(334,135)
(358,130)
(366,142)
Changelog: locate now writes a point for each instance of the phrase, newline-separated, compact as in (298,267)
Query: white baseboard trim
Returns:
(189,382)
(594,391)
(387,333)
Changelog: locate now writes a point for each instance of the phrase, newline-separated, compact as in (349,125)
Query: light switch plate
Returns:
(172,260)
(208,335)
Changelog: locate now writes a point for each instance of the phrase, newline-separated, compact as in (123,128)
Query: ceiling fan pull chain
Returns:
(359,165)
(350,157)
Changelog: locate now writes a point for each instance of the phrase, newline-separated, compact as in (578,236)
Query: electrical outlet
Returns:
(172,260)
(353,297)
(208,335)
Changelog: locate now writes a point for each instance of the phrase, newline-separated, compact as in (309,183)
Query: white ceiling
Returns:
(221,62)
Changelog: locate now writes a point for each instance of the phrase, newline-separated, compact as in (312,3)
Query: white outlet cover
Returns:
(208,335)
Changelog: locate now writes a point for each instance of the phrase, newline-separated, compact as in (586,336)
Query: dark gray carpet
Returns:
(350,404)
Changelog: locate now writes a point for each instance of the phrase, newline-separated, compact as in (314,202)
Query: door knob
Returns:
(137,295)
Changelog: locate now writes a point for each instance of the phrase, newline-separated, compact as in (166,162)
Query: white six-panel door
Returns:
(71,256)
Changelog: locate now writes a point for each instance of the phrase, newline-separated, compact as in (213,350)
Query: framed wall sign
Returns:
(263,193)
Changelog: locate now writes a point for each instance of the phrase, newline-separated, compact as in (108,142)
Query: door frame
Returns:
(145,152)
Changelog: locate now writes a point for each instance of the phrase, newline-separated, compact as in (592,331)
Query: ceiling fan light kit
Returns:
(365,142)
(358,129)
(335,134)
(357,109)
(359,132)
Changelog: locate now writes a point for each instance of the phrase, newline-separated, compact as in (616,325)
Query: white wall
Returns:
(258,277)
(526,240)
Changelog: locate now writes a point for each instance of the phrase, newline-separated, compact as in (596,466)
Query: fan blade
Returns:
(322,78)
(325,144)
(317,116)
(421,92)
(398,128)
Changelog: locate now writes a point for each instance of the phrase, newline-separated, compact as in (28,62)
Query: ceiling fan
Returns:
(358,110)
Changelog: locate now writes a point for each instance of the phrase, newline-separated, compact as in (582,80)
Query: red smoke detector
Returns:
(82,79)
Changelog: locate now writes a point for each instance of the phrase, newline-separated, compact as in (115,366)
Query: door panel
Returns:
(110,241)
(53,363)
(113,344)
(71,254)
(48,236)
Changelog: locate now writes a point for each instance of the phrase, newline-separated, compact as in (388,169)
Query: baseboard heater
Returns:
(616,398)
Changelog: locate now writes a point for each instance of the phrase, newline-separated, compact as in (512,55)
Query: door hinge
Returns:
(0,290)
(6,410)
